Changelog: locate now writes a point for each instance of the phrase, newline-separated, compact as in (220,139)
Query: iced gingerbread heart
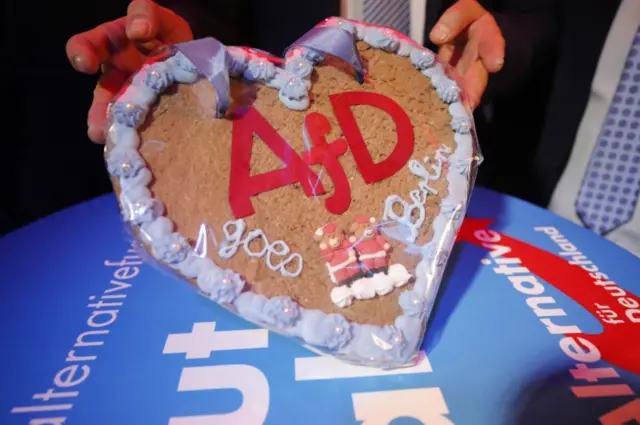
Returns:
(317,195)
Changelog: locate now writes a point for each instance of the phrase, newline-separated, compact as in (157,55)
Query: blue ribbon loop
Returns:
(210,57)
(335,41)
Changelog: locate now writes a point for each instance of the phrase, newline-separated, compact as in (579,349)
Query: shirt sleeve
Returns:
(531,35)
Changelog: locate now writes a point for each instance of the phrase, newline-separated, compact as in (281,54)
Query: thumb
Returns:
(142,20)
(147,21)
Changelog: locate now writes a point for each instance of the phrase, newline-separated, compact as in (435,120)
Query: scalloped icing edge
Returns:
(376,346)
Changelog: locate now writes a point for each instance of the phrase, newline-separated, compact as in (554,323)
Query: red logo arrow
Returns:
(619,342)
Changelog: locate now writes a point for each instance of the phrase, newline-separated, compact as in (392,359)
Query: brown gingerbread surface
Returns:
(188,152)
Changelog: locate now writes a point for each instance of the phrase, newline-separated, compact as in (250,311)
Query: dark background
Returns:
(48,162)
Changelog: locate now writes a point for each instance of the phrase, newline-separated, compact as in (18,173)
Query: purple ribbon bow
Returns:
(210,57)
(335,41)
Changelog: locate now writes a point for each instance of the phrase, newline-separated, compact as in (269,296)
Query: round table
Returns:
(537,322)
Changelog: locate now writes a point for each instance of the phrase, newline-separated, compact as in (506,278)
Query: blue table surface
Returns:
(84,343)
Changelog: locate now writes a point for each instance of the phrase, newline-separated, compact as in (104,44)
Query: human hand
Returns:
(470,41)
(119,48)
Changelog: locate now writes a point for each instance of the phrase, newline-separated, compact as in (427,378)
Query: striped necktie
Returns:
(389,13)
(609,193)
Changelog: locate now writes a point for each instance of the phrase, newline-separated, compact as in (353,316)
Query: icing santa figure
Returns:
(371,247)
(338,253)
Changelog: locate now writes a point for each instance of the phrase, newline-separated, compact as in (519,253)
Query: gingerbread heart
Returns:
(317,195)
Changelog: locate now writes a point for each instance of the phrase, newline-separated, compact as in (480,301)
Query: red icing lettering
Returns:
(326,154)
(372,172)
(242,185)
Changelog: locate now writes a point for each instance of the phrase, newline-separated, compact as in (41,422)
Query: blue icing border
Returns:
(378,346)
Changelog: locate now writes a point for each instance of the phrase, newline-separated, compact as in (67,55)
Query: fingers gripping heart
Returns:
(118,49)
(471,41)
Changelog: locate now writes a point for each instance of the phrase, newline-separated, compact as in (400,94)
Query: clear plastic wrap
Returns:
(318,196)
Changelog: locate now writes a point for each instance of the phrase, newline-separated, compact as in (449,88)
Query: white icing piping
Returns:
(233,241)
(351,341)
(409,224)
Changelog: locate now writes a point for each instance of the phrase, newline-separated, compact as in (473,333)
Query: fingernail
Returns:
(79,64)
(139,27)
(500,62)
(439,33)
